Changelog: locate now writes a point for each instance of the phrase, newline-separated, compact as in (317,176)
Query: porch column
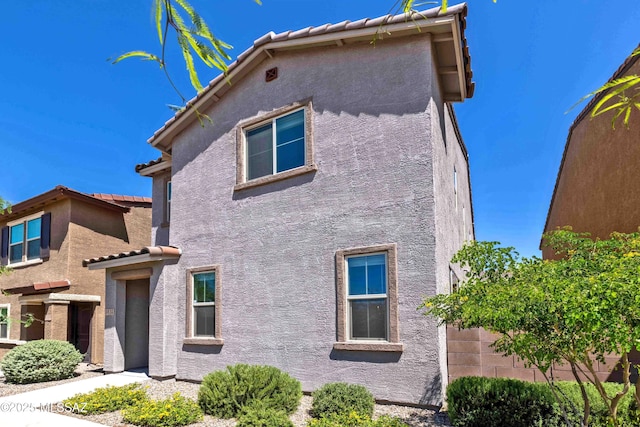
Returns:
(56,320)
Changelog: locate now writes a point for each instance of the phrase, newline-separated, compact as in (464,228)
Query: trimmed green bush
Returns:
(106,399)
(258,415)
(500,402)
(354,419)
(342,399)
(175,411)
(599,414)
(40,361)
(225,393)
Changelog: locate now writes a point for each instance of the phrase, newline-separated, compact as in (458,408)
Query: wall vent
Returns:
(271,74)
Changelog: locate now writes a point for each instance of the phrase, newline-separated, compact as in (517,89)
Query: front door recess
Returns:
(136,338)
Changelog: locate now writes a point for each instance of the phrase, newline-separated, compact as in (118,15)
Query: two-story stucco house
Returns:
(303,227)
(44,240)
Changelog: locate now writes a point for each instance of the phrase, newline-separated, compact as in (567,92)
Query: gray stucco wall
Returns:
(159,226)
(276,244)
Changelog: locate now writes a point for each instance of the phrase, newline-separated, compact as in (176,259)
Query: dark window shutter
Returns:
(4,246)
(45,235)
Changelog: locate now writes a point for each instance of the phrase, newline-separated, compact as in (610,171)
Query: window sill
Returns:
(26,263)
(369,346)
(203,341)
(277,177)
(12,342)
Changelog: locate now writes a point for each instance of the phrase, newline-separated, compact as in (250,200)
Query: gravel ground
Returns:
(415,417)
(83,371)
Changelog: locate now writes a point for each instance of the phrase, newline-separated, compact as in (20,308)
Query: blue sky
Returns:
(67,116)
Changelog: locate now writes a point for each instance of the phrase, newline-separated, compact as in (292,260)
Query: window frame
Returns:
(6,322)
(392,343)
(190,337)
(25,240)
(167,200)
(242,163)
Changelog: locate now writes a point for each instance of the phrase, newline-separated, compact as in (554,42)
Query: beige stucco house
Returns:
(43,242)
(302,228)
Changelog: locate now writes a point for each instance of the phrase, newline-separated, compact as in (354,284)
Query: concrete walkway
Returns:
(34,409)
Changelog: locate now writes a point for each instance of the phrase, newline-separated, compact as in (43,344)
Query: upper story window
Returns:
(26,239)
(4,321)
(275,146)
(455,186)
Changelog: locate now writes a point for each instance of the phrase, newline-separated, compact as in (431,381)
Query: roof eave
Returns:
(163,138)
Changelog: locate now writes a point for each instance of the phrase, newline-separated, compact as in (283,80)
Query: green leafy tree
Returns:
(575,310)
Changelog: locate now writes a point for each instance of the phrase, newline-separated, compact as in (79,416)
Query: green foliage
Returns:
(106,399)
(572,399)
(225,393)
(260,415)
(621,95)
(175,411)
(500,402)
(583,305)
(342,399)
(353,419)
(39,361)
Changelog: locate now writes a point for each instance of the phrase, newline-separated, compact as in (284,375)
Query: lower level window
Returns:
(4,322)
(203,304)
(367,297)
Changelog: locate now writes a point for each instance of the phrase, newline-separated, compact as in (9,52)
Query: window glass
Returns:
(369,319)
(4,323)
(367,275)
(260,151)
(204,321)
(290,141)
(33,228)
(17,233)
(204,287)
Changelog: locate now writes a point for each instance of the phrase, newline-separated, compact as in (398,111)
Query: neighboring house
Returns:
(304,226)
(596,191)
(44,240)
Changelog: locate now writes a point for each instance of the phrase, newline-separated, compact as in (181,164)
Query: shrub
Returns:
(39,361)
(353,419)
(259,415)
(342,399)
(175,411)
(106,399)
(486,402)
(599,414)
(225,393)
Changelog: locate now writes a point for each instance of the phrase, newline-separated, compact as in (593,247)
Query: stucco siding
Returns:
(276,244)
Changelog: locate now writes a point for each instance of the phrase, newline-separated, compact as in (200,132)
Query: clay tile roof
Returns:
(150,163)
(115,198)
(39,286)
(153,251)
(459,9)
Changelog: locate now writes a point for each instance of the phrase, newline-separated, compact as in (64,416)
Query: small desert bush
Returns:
(353,419)
(106,399)
(175,411)
(258,415)
(342,399)
(40,361)
(225,393)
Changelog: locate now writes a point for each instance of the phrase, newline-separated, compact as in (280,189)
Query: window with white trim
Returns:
(275,146)
(367,298)
(24,240)
(4,321)
(203,318)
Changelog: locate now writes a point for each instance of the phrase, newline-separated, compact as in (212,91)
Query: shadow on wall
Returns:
(365,356)
(202,349)
(616,374)
(274,187)
(432,394)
